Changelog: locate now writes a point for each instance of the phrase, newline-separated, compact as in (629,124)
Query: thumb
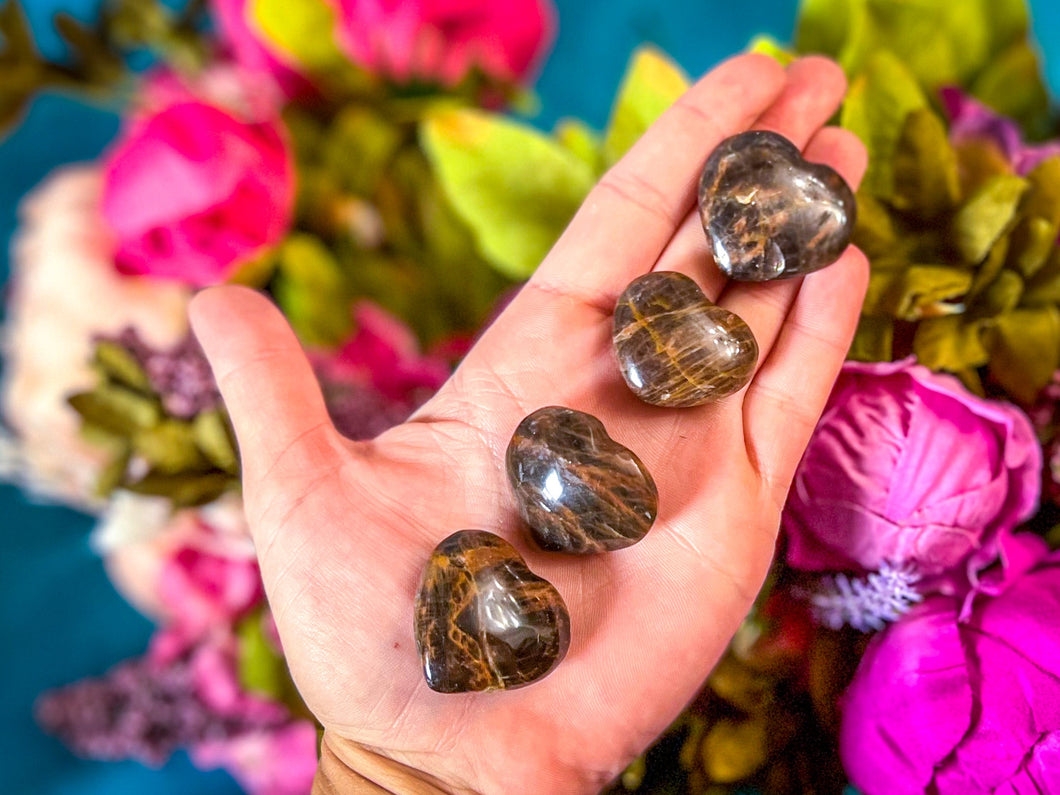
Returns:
(271,393)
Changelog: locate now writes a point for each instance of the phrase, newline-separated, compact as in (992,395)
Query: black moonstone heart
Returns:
(770,214)
(578,490)
(484,621)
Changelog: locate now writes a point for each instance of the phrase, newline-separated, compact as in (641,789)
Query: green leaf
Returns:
(1012,85)
(169,447)
(1034,238)
(577,138)
(873,341)
(766,45)
(1025,350)
(358,147)
(874,231)
(1044,287)
(824,26)
(922,291)
(214,438)
(113,473)
(1001,295)
(185,490)
(261,668)
(119,364)
(303,29)
(925,167)
(950,343)
(312,290)
(875,110)
(514,187)
(116,409)
(652,84)
(985,216)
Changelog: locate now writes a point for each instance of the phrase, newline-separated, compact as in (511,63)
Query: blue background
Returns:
(60,619)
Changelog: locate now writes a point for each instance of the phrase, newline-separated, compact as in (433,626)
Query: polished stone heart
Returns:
(484,621)
(675,348)
(768,213)
(577,489)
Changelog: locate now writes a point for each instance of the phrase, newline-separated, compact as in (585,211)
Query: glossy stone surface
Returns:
(484,621)
(768,213)
(577,489)
(675,348)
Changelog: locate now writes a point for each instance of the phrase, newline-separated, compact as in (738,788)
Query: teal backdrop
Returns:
(59,617)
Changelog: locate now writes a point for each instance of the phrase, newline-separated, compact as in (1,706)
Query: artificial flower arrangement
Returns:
(360,165)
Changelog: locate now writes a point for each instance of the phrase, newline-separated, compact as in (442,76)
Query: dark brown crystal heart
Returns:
(770,214)
(578,490)
(675,348)
(484,621)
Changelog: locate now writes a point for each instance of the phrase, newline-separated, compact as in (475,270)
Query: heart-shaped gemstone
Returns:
(577,489)
(768,213)
(484,621)
(675,348)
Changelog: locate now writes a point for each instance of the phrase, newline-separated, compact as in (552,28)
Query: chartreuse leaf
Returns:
(824,26)
(1035,235)
(169,447)
(652,84)
(922,291)
(1000,296)
(1025,350)
(950,343)
(117,363)
(303,29)
(185,490)
(1012,85)
(578,139)
(213,437)
(767,45)
(876,108)
(874,231)
(261,667)
(515,188)
(116,409)
(873,341)
(312,291)
(925,167)
(358,147)
(983,218)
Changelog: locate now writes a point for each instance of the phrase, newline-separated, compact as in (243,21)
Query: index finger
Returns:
(629,217)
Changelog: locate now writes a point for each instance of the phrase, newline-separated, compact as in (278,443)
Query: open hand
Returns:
(343,529)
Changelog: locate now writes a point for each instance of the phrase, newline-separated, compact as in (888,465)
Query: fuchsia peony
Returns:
(443,40)
(971,120)
(958,708)
(908,467)
(378,377)
(192,193)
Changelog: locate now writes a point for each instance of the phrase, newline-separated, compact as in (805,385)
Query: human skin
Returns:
(343,529)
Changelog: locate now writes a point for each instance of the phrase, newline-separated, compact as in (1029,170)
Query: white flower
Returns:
(65,291)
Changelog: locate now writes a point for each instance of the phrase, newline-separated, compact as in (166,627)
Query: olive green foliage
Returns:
(189,461)
(964,259)
(95,57)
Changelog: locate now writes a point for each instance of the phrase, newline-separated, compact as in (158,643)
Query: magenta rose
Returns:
(443,40)
(192,192)
(907,467)
(953,708)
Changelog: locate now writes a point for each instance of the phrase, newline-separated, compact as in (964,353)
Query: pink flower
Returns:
(250,49)
(192,193)
(378,377)
(203,590)
(908,467)
(970,120)
(941,706)
(443,40)
(278,761)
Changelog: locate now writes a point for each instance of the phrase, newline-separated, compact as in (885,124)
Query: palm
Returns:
(343,529)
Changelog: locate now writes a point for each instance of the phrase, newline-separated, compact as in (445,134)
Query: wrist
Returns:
(349,768)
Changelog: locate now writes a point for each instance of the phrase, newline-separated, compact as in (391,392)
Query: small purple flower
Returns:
(865,603)
(181,376)
(972,120)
